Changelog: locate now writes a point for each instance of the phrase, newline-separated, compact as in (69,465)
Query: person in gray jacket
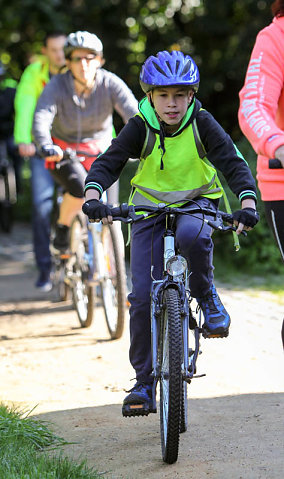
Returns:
(75,110)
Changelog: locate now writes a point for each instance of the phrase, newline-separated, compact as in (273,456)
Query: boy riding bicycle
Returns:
(171,171)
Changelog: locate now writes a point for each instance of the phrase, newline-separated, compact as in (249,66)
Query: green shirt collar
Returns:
(149,114)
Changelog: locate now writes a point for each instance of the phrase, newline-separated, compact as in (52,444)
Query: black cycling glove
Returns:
(247,216)
(96,210)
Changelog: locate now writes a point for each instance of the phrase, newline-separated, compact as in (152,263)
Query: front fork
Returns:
(188,367)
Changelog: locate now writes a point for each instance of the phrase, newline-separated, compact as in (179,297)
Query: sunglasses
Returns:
(88,58)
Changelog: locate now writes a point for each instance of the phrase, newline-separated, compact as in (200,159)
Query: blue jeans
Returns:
(42,185)
(195,244)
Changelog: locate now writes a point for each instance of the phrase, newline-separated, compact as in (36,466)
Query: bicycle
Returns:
(93,268)
(8,192)
(173,360)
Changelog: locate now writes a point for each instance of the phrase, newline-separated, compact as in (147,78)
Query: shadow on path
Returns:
(228,437)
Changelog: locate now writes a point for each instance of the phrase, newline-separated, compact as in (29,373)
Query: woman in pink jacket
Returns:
(261,118)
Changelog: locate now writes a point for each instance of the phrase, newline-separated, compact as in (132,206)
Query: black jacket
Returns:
(220,151)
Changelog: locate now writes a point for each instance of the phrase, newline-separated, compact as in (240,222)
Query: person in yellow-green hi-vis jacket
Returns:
(32,82)
(173,171)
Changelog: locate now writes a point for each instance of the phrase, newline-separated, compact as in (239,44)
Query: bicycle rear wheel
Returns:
(82,290)
(113,279)
(60,286)
(171,378)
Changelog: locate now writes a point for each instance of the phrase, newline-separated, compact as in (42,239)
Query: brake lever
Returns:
(218,225)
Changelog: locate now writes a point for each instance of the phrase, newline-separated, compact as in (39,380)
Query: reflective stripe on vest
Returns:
(182,167)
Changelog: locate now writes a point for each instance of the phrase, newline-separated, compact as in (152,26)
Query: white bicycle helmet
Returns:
(79,39)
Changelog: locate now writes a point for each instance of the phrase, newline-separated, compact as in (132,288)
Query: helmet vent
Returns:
(169,66)
(158,68)
(186,68)
(177,66)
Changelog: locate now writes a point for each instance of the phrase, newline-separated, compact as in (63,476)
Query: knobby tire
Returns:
(113,285)
(171,378)
(82,290)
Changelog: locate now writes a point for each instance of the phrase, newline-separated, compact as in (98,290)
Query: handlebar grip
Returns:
(122,211)
(228,217)
(274,164)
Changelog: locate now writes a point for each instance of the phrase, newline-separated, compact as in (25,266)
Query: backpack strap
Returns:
(199,145)
(147,149)
(202,153)
(149,143)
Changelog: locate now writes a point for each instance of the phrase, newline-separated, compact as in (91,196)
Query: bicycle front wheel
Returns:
(171,377)
(82,290)
(113,279)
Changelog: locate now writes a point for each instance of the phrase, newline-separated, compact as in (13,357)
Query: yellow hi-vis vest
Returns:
(184,175)
(187,173)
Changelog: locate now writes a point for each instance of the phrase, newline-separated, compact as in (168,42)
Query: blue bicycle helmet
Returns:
(169,69)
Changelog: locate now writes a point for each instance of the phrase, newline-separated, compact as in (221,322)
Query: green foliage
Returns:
(19,427)
(21,437)
(218,34)
(258,254)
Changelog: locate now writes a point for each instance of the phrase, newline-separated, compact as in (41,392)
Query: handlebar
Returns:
(76,155)
(127,214)
(274,164)
(69,155)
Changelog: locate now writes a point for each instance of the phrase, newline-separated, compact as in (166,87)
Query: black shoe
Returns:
(61,240)
(139,401)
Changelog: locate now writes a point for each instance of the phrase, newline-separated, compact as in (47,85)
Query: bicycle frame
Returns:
(188,321)
(173,362)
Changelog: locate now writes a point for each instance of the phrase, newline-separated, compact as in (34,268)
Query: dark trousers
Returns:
(42,202)
(195,244)
(274,211)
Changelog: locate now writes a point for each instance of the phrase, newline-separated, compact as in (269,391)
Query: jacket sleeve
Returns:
(260,94)
(25,103)
(107,168)
(45,113)
(225,157)
(124,102)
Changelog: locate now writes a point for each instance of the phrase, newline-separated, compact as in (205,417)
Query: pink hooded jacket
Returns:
(261,112)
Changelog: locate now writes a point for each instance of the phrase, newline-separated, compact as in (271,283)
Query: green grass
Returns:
(251,283)
(25,443)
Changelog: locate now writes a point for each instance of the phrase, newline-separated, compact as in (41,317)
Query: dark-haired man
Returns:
(33,80)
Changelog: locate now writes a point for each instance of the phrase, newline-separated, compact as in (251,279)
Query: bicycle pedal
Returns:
(206,334)
(134,410)
(65,255)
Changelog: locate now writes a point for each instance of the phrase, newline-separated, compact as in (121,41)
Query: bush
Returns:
(258,254)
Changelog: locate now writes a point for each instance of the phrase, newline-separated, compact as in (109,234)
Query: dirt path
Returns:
(77,379)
